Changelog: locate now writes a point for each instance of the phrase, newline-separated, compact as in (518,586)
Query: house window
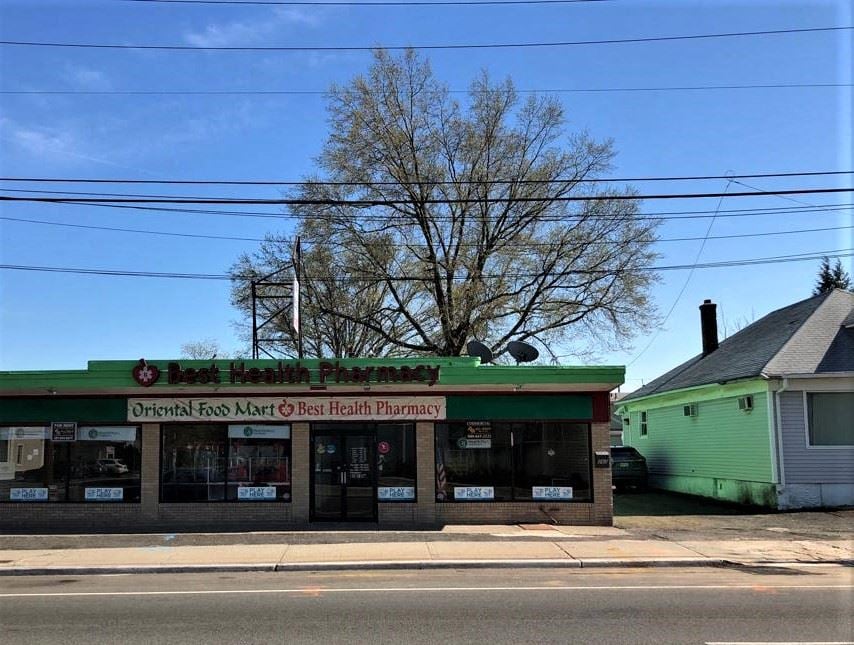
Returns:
(643,427)
(830,418)
(19,457)
(4,450)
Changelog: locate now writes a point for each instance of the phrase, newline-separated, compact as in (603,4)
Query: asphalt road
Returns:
(804,604)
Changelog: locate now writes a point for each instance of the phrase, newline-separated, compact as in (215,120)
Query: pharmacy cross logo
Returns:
(145,374)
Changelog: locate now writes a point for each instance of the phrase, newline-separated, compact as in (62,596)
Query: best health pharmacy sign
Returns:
(349,408)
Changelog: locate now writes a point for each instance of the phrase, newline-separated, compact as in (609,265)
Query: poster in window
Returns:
(63,431)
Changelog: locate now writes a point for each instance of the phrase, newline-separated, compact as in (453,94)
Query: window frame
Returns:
(807,429)
(513,500)
(225,500)
(644,424)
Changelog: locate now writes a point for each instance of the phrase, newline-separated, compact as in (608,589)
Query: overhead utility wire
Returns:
(303,48)
(557,90)
(306,242)
(688,277)
(651,216)
(393,202)
(212,276)
(291,182)
(369,3)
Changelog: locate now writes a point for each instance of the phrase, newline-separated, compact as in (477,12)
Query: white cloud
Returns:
(244,32)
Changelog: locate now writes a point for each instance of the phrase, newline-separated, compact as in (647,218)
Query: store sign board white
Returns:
(28,494)
(246,431)
(16,432)
(256,492)
(104,494)
(395,493)
(379,408)
(105,433)
(552,492)
(474,492)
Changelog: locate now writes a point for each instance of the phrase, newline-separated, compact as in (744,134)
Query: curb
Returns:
(369,565)
(401,565)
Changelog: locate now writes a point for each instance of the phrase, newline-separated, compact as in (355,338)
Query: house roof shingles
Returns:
(747,353)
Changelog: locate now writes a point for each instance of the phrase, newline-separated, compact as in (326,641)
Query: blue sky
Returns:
(52,321)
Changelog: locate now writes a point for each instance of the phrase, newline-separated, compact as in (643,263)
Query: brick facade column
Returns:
(300,474)
(150,475)
(425,451)
(603,506)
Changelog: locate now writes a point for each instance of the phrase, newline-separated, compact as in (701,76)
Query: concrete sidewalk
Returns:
(452,547)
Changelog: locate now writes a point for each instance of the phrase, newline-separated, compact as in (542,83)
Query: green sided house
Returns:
(239,445)
(765,417)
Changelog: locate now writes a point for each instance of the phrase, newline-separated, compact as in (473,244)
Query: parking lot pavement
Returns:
(684,517)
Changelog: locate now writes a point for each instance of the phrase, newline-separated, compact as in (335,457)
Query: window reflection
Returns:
(524,461)
(102,463)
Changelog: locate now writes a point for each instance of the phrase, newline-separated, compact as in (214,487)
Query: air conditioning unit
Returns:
(689,410)
(745,403)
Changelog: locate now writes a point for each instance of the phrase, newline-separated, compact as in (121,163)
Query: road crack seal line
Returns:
(560,546)
(282,557)
(688,548)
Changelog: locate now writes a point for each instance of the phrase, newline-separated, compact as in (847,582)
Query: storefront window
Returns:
(98,464)
(552,461)
(207,463)
(396,466)
(259,462)
(484,461)
(473,461)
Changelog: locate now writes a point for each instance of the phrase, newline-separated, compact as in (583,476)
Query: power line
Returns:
(683,88)
(687,280)
(839,253)
(649,216)
(308,242)
(292,182)
(458,46)
(363,3)
(367,203)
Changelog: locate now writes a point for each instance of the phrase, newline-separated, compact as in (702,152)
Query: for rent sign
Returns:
(426,408)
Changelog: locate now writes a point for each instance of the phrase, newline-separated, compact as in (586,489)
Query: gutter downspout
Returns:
(778,430)
(772,429)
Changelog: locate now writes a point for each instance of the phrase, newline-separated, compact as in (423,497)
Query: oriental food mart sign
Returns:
(344,408)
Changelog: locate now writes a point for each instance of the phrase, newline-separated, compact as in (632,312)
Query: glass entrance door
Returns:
(343,474)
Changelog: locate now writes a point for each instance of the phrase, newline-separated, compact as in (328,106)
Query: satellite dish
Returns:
(522,352)
(479,350)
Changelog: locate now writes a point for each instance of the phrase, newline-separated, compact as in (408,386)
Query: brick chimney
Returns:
(709,326)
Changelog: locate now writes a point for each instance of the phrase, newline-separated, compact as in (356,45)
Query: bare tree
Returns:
(464,224)
(205,349)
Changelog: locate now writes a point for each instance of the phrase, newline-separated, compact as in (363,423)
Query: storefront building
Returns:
(157,445)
